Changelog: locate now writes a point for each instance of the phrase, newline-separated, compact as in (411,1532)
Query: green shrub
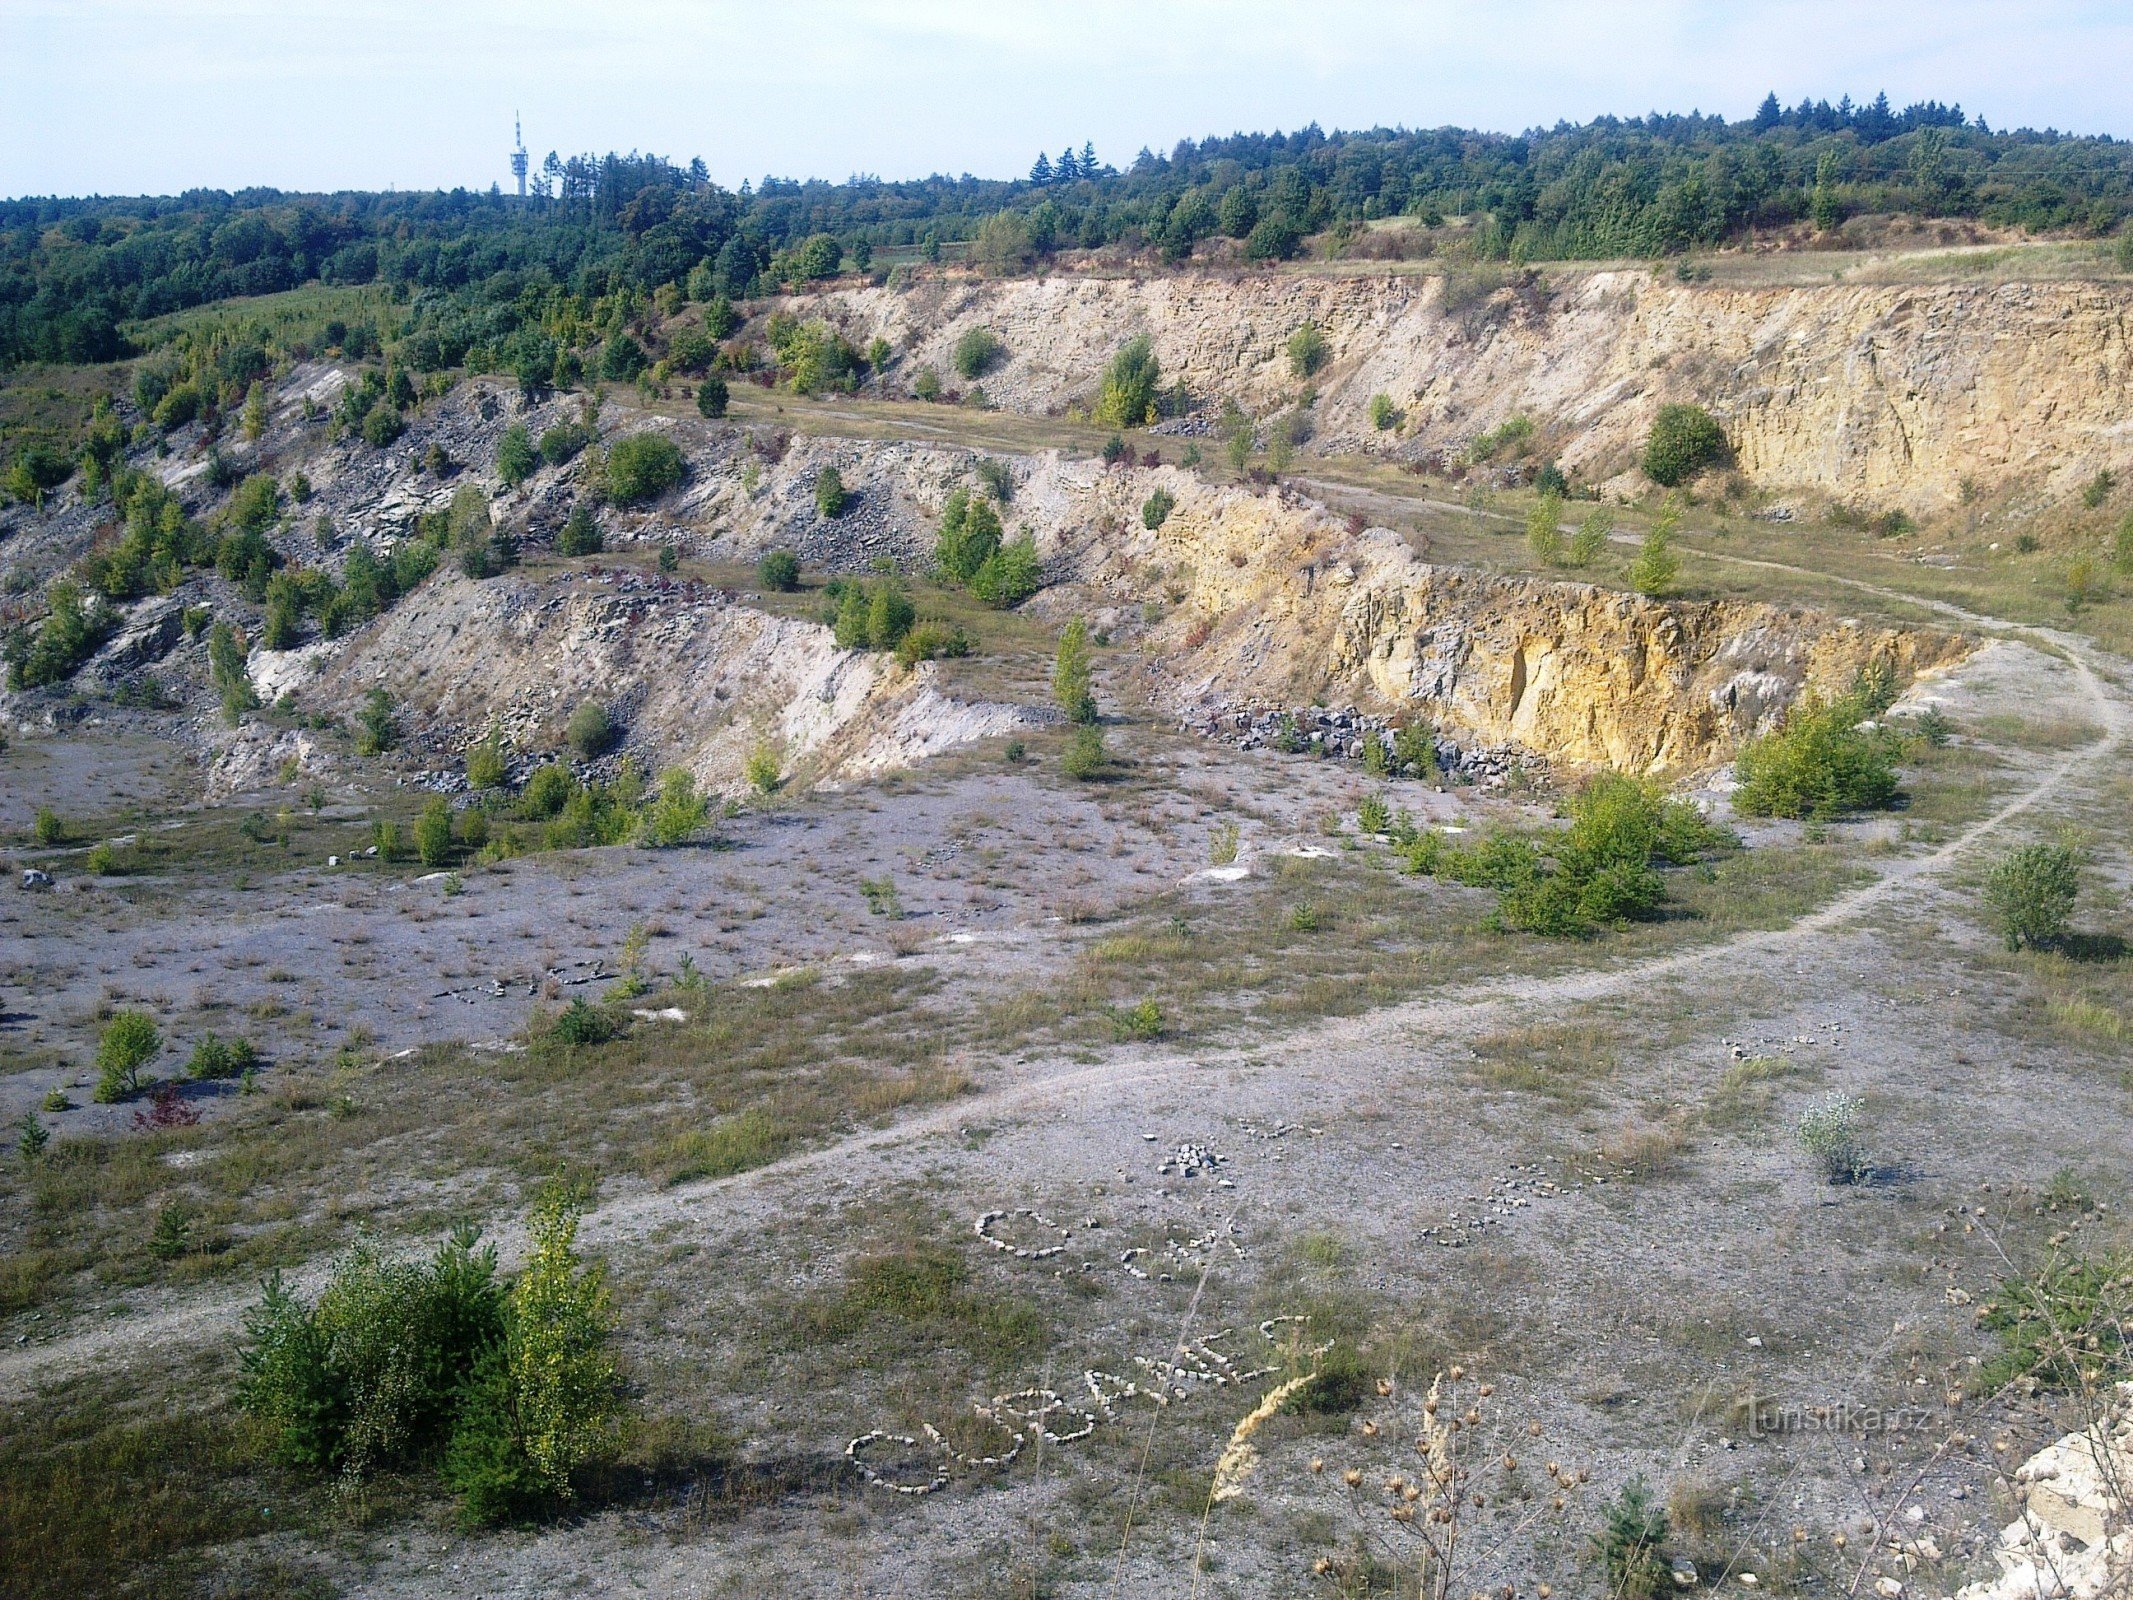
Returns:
(486,768)
(1656,566)
(1544,533)
(1591,538)
(1414,748)
(1818,763)
(642,467)
(977,352)
(778,571)
(590,731)
(831,496)
(1156,509)
(678,812)
(763,770)
(872,616)
(2032,892)
(516,457)
(543,1400)
(215,1057)
(926,384)
(932,640)
(580,535)
(1829,1131)
(579,1023)
(712,397)
(1373,815)
(1142,1022)
(548,791)
(371,1376)
(1383,413)
(998,478)
(1308,351)
(1073,674)
(433,833)
(1127,398)
(381,426)
(48,829)
(563,441)
(1630,1546)
(1684,440)
(1010,575)
(377,729)
(969,535)
(1084,758)
(128,1043)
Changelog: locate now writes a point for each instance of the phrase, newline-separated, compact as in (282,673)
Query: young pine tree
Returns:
(1656,567)
(1073,676)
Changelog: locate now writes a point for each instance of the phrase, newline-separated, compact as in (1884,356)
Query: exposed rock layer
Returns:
(1886,395)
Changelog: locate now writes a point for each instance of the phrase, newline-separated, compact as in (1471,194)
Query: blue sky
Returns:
(132,96)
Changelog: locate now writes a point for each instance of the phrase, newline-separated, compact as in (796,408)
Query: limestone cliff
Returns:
(1886,395)
(1265,596)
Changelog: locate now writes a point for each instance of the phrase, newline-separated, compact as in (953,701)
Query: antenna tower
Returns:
(518,155)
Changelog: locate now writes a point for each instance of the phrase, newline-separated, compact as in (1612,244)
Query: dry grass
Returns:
(1561,1060)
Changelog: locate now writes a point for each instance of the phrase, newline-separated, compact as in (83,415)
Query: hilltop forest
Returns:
(75,273)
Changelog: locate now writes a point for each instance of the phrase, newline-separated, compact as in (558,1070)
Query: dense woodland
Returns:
(76,273)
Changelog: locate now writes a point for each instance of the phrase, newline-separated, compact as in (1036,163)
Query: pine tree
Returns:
(1041,173)
(1067,168)
(1089,167)
(1656,566)
(1769,114)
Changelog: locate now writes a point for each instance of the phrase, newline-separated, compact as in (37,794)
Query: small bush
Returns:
(1656,567)
(371,1375)
(214,1057)
(1073,674)
(712,397)
(516,456)
(1373,815)
(580,535)
(1084,758)
(1010,575)
(763,769)
(128,1043)
(1128,395)
(678,812)
(1630,1546)
(1222,845)
(1383,413)
(590,731)
(1818,763)
(778,571)
(1138,1023)
(486,768)
(2032,891)
(377,730)
(1591,537)
(48,829)
(931,641)
(977,352)
(831,497)
(642,467)
(1308,351)
(433,833)
(1156,509)
(1544,533)
(1829,1131)
(1684,440)
(562,442)
(582,1024)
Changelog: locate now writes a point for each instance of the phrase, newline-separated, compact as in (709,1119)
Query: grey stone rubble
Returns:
(1340,733)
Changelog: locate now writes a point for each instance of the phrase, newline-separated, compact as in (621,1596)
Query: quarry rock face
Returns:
(1891,396)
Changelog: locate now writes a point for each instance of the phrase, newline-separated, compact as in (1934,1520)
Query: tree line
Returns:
(74,273)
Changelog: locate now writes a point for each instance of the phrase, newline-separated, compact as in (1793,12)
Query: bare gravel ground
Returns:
(1571,1168)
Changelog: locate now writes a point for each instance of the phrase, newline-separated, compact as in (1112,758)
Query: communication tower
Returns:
(518,155)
